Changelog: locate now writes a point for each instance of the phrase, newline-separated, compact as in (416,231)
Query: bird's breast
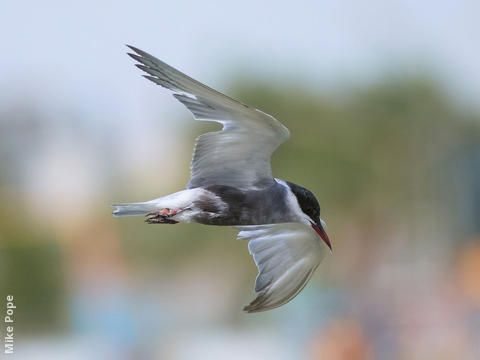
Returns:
(250,207)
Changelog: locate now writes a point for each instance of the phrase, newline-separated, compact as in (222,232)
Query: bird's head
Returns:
(311,209)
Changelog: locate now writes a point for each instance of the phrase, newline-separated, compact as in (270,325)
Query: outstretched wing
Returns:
(286,255)
(239,155)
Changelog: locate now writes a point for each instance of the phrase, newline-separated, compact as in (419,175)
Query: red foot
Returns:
(168,212)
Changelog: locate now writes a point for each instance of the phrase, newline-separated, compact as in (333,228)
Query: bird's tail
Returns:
(134,209)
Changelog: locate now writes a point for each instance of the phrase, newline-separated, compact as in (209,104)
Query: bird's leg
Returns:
(162,216)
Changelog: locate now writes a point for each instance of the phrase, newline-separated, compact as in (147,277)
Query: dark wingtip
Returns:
(138,53)
(249,309)
(134,56)
(132,48)
(141,67)
(257,304)
(151,78)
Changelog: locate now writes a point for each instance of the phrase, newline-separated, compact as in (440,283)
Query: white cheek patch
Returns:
(293,204)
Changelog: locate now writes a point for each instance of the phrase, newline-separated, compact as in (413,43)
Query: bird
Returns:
(231,184)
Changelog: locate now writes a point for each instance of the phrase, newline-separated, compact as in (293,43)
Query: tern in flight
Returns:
(231,184)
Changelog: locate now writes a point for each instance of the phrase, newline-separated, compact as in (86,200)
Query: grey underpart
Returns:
(265,206)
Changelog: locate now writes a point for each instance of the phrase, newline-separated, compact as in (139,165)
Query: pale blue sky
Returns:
(74,51)
(69,58)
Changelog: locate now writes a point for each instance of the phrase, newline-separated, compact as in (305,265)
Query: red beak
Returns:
(321,231)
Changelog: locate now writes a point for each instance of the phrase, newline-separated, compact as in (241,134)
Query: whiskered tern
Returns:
(231,184)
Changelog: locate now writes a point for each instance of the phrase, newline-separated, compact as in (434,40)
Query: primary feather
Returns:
(239,155)
(286,255)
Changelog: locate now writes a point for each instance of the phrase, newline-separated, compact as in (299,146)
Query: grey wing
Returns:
(286,255)
(239,154)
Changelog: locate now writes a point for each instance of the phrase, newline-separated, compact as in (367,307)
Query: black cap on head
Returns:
(309,205)
(307,201)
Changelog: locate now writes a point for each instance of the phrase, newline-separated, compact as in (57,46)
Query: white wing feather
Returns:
(286,255)
(239,155)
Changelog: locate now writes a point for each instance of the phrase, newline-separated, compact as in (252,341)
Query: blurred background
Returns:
(381,99)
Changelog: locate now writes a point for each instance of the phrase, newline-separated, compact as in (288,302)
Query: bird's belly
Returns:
(254,207)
